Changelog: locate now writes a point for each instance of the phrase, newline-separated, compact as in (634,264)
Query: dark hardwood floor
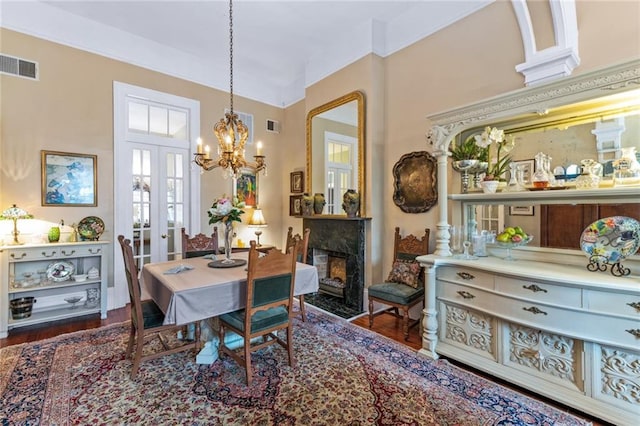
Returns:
(386,325)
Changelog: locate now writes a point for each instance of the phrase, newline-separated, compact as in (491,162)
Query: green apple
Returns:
(509,230)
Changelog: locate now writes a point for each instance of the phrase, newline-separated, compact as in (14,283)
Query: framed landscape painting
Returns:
(69,179)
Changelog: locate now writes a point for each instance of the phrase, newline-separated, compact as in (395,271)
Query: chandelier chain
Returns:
(231,54)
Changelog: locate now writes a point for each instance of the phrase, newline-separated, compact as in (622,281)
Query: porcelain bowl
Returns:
(80,277)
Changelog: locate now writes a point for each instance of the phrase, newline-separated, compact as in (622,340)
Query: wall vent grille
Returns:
(273,126)
(247,119)
(18,67)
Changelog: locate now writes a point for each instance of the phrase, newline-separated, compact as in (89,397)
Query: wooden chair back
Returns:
(302,254)
(133,282)
(409,247)
(199,245)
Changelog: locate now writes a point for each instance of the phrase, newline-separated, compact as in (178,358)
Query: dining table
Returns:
(198,291)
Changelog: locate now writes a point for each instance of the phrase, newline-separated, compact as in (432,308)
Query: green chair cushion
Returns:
(261,320)
(152,315)
(396,292)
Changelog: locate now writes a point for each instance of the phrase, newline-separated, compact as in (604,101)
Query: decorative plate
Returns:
(611,240)
(60,271)
(90,228)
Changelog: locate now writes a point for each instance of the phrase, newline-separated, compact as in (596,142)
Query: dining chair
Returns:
(301,256)
(268,305)
(147,318)
(199,245)
(404,287)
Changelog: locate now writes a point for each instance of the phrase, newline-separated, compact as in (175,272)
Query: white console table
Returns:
(24,275)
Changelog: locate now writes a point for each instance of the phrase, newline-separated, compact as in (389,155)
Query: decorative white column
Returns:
(430,317)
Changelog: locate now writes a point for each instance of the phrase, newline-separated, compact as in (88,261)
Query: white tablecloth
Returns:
(205,292)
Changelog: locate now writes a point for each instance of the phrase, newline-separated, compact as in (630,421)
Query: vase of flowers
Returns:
(226,211)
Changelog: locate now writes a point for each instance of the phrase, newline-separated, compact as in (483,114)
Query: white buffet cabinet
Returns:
(542,321)
(24,274)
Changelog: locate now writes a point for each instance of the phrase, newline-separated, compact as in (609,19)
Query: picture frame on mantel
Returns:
(69,179)
(297,182)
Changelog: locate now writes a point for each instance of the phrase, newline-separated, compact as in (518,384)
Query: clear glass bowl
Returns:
(510,245)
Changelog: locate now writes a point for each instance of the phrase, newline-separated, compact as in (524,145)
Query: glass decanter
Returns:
(515,181)
(590,176)
(627,168)
(547,169)
(540,179)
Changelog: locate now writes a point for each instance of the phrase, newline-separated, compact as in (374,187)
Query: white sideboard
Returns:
(24,274)
(556,329)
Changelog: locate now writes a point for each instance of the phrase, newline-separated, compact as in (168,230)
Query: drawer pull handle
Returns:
(534,310)
(44,253)
(68,254)
(465,275)
(635,332)
(534,288)
(466,294)
(635,305)
(13,256)
(94,252)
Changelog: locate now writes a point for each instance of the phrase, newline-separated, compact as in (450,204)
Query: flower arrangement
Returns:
(504,143)
(225,210)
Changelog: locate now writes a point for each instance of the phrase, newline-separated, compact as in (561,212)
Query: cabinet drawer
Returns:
(464,275)
(539,291)
(614,303)
(29,254)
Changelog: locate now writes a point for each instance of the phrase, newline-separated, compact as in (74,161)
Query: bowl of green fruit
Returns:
(512,237)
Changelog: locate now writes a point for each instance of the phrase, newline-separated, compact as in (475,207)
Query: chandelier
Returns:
(230,132)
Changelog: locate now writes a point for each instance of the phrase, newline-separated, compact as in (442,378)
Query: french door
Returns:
(156,189)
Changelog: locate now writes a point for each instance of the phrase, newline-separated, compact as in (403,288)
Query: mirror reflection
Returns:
(335,150)
(579,140)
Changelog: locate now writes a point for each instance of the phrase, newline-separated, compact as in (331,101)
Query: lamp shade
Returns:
(257,220)
(15,212)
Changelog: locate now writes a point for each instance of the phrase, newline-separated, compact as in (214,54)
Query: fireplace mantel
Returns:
(347,236)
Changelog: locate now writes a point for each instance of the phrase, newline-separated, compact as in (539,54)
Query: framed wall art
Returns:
(246,187)
(297,182)
(521,210)
(295,205)
(528,168)
(69,179)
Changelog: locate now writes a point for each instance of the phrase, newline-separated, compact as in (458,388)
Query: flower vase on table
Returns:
(226,211)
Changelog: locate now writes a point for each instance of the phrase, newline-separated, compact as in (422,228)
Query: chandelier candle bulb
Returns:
(199,146)
(259,148)
(207,151)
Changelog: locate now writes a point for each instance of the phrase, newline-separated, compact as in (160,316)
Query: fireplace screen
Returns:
(336,280)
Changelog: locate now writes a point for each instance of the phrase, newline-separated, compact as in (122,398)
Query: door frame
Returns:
(119,294)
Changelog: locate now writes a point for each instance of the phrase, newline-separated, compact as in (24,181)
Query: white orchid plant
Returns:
(504,144)
(225,209)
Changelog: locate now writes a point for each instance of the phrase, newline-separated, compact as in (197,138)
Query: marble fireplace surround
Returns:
(345,236)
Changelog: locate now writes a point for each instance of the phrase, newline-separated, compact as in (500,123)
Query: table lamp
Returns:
(14,213)
(257,221)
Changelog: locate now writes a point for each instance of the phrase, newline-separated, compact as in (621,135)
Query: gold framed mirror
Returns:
(336,151)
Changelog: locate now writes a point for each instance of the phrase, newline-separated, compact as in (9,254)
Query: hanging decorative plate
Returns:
(90,228)
(611,240)
(60,271)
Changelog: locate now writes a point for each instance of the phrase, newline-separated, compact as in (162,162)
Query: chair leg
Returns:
(290,344)
(302,308)
(138,355)
(132,336)
(370,313)
(247,359)
(405,323)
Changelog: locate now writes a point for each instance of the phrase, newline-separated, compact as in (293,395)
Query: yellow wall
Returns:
(70,109)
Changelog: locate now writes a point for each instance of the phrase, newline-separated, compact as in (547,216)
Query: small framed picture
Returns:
(246,187)
(295,205)
(528,169)
(521,210)
(69,179)
(297,182)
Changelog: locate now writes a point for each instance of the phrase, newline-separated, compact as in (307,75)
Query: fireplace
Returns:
(337,245)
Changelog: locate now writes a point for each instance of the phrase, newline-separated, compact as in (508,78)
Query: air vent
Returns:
(19,67)
(273,126)
(247,119)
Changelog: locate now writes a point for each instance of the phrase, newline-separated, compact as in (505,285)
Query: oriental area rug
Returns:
(344,375)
